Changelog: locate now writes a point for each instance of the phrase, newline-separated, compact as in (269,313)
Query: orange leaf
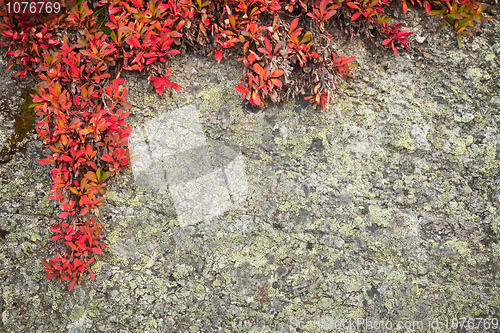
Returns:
(277,73)
(251,57)
(46,161)
(276,82)
(175,86)
(293,25)
(255,99)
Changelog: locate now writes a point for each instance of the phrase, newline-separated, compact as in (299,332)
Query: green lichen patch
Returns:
(77,313)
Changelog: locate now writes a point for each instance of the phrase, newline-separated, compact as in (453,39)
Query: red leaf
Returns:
(355,16)
(241,89)
(134,41)
(97,250)
(386,41)
(175,86)
(251,58)
(255,99)
(71,285)
(84,211)
(262,50)
(276,82)
(63,215)
(427,7)
(322,6)
(277,73)
(173,52)
(72,246)
(160,90)
(293,25)
(218,55)
(46,161)
(107,158)
(77,263)
(329,15)
(258,69)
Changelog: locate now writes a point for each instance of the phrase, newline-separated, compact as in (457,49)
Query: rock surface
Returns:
(386,206)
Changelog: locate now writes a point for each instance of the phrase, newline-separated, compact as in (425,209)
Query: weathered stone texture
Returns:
(385,206)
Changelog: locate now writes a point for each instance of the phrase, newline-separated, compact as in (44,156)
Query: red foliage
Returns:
(394,35)
(163,82)
(369,9)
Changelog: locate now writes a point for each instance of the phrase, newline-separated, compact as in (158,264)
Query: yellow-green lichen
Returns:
(461,144)
(491,164)
(76,313)
(380,216)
